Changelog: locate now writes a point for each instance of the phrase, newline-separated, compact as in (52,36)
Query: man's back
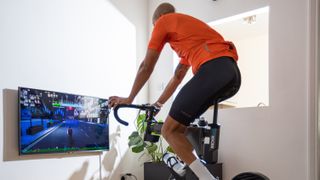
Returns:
(193,40)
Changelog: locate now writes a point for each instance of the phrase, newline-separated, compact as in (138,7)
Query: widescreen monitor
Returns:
(52,122)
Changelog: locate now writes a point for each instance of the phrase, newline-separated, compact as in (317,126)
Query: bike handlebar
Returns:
(145,107)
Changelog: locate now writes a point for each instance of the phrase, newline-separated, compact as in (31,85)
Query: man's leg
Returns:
(174,133)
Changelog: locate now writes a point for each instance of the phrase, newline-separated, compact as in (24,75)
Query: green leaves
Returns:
(152,148)
(141,124)
(136,142)
(138,148)
(169,149)
(138,145)
(158,156)
(134,139)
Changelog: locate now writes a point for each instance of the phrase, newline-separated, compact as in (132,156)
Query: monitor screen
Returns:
(51,122)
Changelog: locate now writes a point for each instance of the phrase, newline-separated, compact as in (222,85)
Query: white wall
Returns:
(273,140)
(253,61)
(76,46)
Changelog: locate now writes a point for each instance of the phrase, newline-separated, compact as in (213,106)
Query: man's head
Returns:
(162,9)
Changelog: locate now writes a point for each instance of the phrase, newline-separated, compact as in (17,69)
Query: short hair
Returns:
(164,8)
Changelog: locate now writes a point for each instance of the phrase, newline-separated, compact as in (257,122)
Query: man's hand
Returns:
(115,100)
(158,106)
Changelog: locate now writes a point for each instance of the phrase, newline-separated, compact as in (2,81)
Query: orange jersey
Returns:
(193,40)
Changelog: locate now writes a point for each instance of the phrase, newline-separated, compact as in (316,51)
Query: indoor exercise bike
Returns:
(196,133)
(202,135)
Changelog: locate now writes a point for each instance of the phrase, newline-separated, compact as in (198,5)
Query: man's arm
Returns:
(144,72)
(179,74)
(145,69)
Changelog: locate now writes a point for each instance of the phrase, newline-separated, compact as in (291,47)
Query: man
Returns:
(213,62)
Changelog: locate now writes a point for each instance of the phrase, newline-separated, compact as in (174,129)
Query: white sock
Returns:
(200,170)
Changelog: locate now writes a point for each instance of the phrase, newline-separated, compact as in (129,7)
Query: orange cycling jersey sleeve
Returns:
(184,61)
(158,37)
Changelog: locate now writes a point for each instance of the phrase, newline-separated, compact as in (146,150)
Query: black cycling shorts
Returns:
(212,79)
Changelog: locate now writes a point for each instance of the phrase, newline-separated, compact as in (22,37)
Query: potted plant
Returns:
(138,145)
(155,165)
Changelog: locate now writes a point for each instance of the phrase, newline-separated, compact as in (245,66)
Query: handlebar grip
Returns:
(117,116)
